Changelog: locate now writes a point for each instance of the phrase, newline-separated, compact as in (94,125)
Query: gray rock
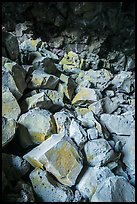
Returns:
(98,78)
(40,100)
(30,45)
(77,196)
(91,179)
(56,42)
(92,133)
(16,81)
(86,95)
(77,133)
(11,45)
(130,63)
(10,107)
(47,189)
(123,123)
(14,166)
(120,62)
(129,153)
(42,80)
(97,107)
(89,121)
(8,130)
(114,189)
(63,121)
(98,152)
(35,126)
(123,81)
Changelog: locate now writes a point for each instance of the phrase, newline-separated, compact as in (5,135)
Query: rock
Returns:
(129,153)
(47,189)
(49,67)
(120,62)
(98,152)
(71,61)
(42,80)
(35,126)
(46,53)
(8,130)
(56,99)
(11,45)
(59,157)
(91,179)
(67,87)
(77,196)
(99,78)
(24,191)
(18,75)
(114,189)
(34,57)
(86,94)
(40,100)
(97,107)
(30,45)
(89,121)
(63,120)
(92,133)
(130,63)
(10,107)
(14,166)
(123,123)
(77,133)
(123,82)
(56,42)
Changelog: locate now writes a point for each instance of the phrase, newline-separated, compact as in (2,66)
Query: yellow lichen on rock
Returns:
(71,60)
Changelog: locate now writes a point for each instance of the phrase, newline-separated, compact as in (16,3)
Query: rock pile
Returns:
(68,116)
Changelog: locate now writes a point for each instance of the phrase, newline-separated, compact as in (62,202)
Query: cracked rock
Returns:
(98,152)
(14,166)
(114,189)
(35,126)
(91,179)
(8,130)
(47,189)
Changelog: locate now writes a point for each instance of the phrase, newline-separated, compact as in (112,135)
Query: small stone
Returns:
(10,107)
(30,45)
(97,107)
(98,152)
(35,126)
(49,67)
(86,94)
(114,189)
(92,134)
(47,189)
(91,179)
(14,166)
(42,80)
(8,130)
